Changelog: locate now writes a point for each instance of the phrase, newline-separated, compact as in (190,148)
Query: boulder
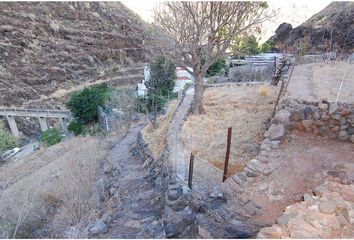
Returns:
(333,108)
(276,132)
(180,222)
(99,227)
(284,219)
(343,136)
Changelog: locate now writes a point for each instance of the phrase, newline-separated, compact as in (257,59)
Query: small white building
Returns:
(183,77)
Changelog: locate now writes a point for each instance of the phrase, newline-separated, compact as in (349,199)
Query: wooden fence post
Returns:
(190,175)
(227,157)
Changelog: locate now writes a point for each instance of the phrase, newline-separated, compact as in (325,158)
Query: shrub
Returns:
(51,137)
(263,90)
(83,104)
(7,141)
(219,67)
(76,127)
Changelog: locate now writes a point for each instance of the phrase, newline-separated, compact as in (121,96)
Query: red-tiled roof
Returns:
(183,78)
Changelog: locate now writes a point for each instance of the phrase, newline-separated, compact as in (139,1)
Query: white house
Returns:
(183,77)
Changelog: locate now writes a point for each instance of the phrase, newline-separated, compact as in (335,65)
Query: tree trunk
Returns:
(199,88)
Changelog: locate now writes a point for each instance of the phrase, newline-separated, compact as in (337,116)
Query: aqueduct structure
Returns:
(41,114)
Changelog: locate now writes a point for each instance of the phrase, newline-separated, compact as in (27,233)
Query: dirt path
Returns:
(300,165)
(316,81)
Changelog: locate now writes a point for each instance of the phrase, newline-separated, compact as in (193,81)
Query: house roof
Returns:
(183,78)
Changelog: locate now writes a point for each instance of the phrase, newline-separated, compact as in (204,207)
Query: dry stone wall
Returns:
(331,120)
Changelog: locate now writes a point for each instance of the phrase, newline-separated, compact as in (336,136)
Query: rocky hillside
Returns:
(46,46)
(329,30)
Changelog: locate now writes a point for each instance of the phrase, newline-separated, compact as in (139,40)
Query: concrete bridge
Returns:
(41,114)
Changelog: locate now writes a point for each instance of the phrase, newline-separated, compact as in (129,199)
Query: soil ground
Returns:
(303,163)
(316,81)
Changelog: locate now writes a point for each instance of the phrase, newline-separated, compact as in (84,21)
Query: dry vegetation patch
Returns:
(156,138)
(245,109)
(56,185)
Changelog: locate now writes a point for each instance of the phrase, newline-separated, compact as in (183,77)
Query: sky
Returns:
(291,11)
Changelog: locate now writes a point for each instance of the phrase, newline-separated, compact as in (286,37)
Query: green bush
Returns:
(7,141)
(51,137)
(219,67)
(83,104)
(76,127)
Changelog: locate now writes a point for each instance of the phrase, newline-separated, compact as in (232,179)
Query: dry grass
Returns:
(156,138)
(263,90)
(239,107)
(61,177)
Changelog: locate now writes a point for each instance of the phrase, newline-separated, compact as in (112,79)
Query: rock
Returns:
(266,145)
(99,227)
(319,123)
(250,173)
(333,108)
(281,117)
(327,207)
(307,123)
(350,130)
(336,117)
(106,218)
(323,106)
(204,233)
(352,138)
(55,27)
(284,219)
(332,135)
(216,193)
(343,136)
(181,221)
(132,224)
(274,232)
(174,194)
(275,144)
(324,130)
(276,132)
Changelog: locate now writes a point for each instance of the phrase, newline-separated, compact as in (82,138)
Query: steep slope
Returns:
(46,46)
(329,30)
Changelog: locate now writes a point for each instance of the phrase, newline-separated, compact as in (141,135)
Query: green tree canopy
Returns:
(83,104)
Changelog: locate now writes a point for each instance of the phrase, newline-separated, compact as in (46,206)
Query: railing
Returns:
(34,112)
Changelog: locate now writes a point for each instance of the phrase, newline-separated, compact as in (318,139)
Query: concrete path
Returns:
(177,156)
(206,176)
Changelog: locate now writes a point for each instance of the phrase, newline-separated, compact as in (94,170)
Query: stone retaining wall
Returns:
(331,120)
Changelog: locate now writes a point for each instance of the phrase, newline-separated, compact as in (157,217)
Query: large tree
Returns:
(200,33)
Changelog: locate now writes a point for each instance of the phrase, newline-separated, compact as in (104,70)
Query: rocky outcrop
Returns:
(49,46)
(329,30)
(325,213)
